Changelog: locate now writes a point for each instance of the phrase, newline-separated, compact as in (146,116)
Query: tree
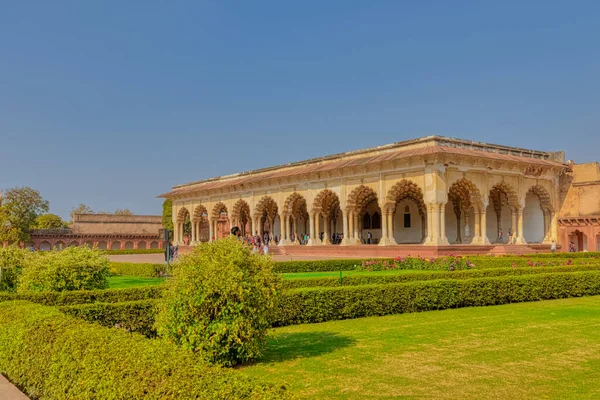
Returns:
(22,206)
(124,211)
(81,209)
(167,214)
(219,302)
(49,221)
(8,233)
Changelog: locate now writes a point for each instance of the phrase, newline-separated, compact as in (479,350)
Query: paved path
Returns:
(9,392)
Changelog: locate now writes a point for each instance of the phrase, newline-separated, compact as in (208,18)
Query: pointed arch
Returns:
(240,210)
(327,202)
(464,199)
(295,205)
(182,214)
(266,205)
(200,213)
(543,195)
(219,209)
(504,193)
(405,190)
(360,197)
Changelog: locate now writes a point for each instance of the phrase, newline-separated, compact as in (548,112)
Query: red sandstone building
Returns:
(104,231)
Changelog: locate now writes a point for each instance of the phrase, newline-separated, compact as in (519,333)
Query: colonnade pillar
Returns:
(311,231)
(477,233)
(326,230)
(513,228)
(346,239)
(520,237)
(483,226)
(356,228)
(211,229)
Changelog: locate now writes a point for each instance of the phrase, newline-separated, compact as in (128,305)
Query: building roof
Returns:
(430,145)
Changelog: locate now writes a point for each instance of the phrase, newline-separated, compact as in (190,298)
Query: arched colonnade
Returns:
(405,213)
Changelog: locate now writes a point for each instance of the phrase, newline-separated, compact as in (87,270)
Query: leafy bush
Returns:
(330,303)
(135,269)
(54,356)
(74,268)
(12,259)
(86,296)
(219,301)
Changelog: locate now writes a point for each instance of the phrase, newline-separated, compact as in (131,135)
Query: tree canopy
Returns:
(20,208)
(49,221)
(167,214)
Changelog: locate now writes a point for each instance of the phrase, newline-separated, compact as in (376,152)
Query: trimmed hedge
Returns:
(133,316)
(370,278)
(317,265)
(331,303)
(53,356)
(311,305)
(134,269)
(134,251)
(87,296)
(479,261)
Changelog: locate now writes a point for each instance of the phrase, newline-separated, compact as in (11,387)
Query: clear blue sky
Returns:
(110,103)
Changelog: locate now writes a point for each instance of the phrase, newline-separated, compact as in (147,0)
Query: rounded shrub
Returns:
(74,268)
(219,302)
(12,259)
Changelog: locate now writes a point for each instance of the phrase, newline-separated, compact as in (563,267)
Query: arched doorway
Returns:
(129,245)
(537,215)
(266,217)
(240,217)
(45,246)
(201,224)
(184,226)
(464,201)
(220,221)
(579,239)
(363,200)
(295,219)
(141,245)
(116,245)
(501,215)
(327,219)
(408,213)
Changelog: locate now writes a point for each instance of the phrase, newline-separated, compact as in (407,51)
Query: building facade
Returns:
(579,219)
(432,191)
(104,231)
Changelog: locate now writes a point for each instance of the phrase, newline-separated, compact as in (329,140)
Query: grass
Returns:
(121,282)
(548,349)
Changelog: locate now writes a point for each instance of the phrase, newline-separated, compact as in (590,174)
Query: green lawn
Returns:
(548,349)
(120,282)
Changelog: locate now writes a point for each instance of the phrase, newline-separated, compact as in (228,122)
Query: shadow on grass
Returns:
(290,346)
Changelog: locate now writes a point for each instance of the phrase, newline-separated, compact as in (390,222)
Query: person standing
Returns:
(500,238)
(266,249)
(553,246)
(369,237)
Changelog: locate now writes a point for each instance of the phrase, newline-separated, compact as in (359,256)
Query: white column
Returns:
(429,223)
(477,230)
(443,238)
(282,219)
(318,228)
(483,227)
(356,229)
(193,239)
(513,228)
(346,239)
(520,237)
(311,229)
(211,228)
(326,228)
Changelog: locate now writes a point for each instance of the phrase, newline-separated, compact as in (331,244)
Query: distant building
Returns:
(104,231)
(579,219)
